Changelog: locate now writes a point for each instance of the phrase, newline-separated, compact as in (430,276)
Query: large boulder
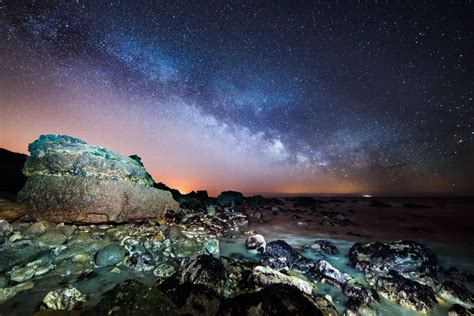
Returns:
(284,255)
(230,198)
(70,180)
(411,259)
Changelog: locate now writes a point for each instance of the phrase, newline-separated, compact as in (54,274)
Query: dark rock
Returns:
(409,258)
(230,198)
(176,194)
(282,251)
(360,296)
(257,215)
(69,180)
(376,203)
(458,310)
(19,255)
(12,179)
(277,299)
(274,263)
(132,298)
(414,205)
(454,274)
(194,199)
(110,255)
(457,293)
(205,270)
(406,292)
(321,246)
(194,299)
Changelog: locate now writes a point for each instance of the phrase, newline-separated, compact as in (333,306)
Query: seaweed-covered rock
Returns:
(205,270)
(283,252)
(255,241)
(406,292)
(322,246)
(411,259)
(70,180)
(457,293)
(325,270)
(68,298)
(266,276)
(230,198)
(277,299)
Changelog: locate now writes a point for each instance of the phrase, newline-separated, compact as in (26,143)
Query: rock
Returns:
(408,293)
(255,241)
(18,255)
(11,211)
(211,210)
(164,270)
(257,215)
(274,263)
(325,270)
(322,246)
(211,246)
(275,210)
(38,228)
(3,281)
(16,236)
(109,256)
(457,293)
(22,274)
(277,299)
(132,298)
(282,251)
(12,180)
(361,296)
(454,274)
(69,180)
(230,198)
(411,259)
(205,270)
(9,292)
(5,229)
(68,299)
(52,239)
(265,276)
(238,277)
(376,203)
(458,310)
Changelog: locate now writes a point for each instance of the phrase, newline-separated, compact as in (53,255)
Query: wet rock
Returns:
(265,276)
(257,215)
(52,238)
(458,310)
(38,228)
(205,270)
(255,241)
(9,292)
(275,210)
(3,281)
(211,246)
(376,203)
(457,293)
(460,276)
(230,198)
(5,230)
(132,298)
(164,270)
(109,256)
(277,299)
(274,263)
(18,255)
(361,296)
(69,180)
(68,298)
(408,293)
(238,277)
(283,252)
(322,246)
(35,268)
(194,299)
(324,269)
(186,247)
(411,259)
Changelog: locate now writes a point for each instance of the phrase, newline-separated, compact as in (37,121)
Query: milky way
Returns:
(256,96)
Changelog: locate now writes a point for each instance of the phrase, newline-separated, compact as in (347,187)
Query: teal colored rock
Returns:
(72,181)
(109,256)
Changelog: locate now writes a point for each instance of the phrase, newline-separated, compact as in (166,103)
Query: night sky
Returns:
(363,97)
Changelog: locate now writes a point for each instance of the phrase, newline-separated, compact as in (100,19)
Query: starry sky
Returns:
(343,97)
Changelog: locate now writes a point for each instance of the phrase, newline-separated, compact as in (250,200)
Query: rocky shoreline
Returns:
(94,234)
